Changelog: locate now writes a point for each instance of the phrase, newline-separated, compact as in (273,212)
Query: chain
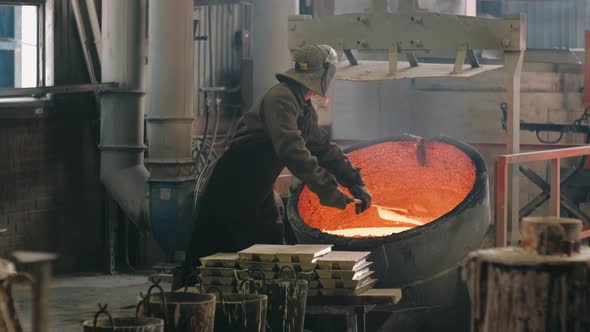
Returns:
(585,116)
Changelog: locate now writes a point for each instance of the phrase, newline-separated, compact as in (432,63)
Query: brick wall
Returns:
(51,197)
(50,192)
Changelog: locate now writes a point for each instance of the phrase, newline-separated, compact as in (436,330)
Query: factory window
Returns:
(19,47)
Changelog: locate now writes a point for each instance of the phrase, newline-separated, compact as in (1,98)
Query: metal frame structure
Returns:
(41,33)
(414,30)
(410,32)
(578,127)
(554,188)
(59,89)
(86,17)
(502,170)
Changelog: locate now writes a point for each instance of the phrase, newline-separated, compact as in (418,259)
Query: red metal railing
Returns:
(501,167)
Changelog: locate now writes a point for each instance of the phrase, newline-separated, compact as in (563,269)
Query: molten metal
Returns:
(396,178)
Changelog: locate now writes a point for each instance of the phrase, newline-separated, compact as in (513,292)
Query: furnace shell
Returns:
(428,257)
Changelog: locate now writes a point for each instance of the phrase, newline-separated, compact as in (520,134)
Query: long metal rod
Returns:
(59,89)
(513,69)
(83,40)
(587,69)
(555,201)
(501,202)
(546,155)
(21,2)
(501,169)
(95,26)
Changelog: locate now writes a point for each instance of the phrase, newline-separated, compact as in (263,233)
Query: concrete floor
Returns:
(73,299)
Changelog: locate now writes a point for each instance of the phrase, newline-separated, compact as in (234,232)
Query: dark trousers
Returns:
(237,208)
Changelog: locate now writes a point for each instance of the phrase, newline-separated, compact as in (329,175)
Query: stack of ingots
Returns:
(328,272)
(344,273)
(282,260)
(218,272)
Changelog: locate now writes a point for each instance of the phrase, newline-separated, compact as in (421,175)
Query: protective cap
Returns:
(314,68)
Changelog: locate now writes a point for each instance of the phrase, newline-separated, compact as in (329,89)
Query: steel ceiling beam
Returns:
(59,89)
(408,32)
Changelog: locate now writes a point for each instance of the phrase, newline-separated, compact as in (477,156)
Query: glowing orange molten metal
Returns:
(396,179)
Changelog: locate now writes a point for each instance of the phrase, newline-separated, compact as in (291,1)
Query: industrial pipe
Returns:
(122,168)
(270,48)
(169,121)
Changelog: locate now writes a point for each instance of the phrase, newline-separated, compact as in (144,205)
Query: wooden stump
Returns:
(520,290)
(551,235)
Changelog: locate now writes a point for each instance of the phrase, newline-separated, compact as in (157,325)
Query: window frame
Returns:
(41,35)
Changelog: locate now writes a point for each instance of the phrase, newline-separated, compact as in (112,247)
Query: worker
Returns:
(237,208)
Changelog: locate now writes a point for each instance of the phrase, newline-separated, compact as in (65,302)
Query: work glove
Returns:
(335,198)
(362,194)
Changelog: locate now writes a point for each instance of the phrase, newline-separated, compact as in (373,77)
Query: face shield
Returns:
(329,68)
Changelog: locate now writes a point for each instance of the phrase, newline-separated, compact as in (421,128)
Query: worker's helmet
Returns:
(314,68)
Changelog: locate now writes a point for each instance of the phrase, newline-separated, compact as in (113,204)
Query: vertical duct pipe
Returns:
(169,121)
(121,140)
(270,48)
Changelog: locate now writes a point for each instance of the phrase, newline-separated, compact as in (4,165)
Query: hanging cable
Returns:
(211,82)
(205,130)
(215,129)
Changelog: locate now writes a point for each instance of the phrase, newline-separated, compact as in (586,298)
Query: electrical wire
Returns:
(206,157)
(215,130)
(207,165)
(211,82)
(205,130)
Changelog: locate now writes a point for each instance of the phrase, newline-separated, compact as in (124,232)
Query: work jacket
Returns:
(290,123)
(237,208)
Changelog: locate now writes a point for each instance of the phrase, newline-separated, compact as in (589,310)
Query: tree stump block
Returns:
(520,290)
(551,235)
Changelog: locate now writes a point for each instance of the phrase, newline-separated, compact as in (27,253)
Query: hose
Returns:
(205,130)
(215,130)
(211,81)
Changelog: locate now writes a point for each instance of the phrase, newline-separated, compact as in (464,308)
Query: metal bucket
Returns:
(287,297)
(122,324)
(240,312)
(181,311)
